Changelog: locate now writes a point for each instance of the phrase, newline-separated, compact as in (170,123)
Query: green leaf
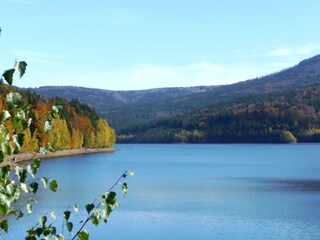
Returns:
(39,231)
(53,215)
(89,207)
(15,122)
(1,156)
(8,76)
(29,208)
(53,185)
(30,238)
(75,208)
(57,108)
(58,237)
(47,126)
(3,209)
(20,215)
(124,189)
(105,216)
(42,221)
(49,231)
(34,167)
(13,98)
(21,67)
(109,209)
(20,138)
(36,163)
(69,226)
(84,235)
(21,114)
(66,215)
(5,115)
(4,138)
(131,173)
(15,139)
(21,173)
(34,187)
(11,188)
(111,198)
(31,234)
(29,122)
(33,200)
(24,124)
(10,149)
(4,225)
(24,188)
(95,219)
(5,172)
(43,150)
(45,181)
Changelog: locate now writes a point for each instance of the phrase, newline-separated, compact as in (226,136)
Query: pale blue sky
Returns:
(140,44)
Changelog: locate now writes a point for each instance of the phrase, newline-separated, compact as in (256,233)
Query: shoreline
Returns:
(22,157)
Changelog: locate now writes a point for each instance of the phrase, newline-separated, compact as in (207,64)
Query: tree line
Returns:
(289,116)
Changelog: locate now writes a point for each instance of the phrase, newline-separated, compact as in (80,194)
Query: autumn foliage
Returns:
(78,125)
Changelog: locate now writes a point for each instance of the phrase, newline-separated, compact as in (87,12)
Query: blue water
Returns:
(221,191)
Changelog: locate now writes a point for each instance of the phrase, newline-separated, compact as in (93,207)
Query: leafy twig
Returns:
(90,215)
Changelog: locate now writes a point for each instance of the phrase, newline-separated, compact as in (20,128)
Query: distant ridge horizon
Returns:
(126,109)
(302,62)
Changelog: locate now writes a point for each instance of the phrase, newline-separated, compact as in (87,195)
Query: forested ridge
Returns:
(287,116)
(77,126)
(127,109)
(280,107)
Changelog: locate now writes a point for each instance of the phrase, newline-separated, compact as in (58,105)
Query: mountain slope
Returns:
(292,115)
(107,99)
(126,109)
(305,73)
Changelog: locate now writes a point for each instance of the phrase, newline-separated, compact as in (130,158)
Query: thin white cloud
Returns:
(201,73)
(40,57)
(302,51)
(147,76)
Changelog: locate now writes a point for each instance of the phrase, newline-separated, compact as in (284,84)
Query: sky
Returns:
(140,44)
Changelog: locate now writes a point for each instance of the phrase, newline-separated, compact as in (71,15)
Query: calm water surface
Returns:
(194,191)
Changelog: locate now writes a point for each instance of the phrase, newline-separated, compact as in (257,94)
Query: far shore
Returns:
(62,153)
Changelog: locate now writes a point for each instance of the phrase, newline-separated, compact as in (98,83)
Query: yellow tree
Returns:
(112,138)
(30,143)
(76,139)
(89,141)
(105,136)
(59,136)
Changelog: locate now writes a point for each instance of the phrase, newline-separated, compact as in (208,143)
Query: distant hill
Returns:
(280,117)
(104,100)
(127,109)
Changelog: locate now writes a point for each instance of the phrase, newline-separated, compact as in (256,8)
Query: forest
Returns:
(280,107)
(127,109)
(77,126)
(290,116)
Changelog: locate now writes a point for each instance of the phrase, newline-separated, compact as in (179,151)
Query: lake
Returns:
(182,191)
